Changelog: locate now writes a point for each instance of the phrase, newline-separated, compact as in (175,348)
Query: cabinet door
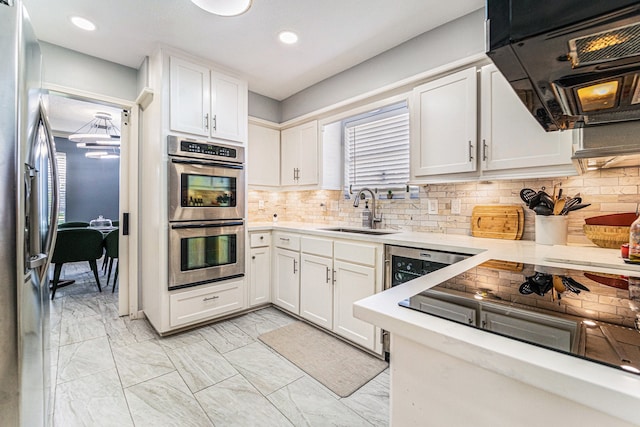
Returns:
(259,276)
(286,280)
(228,107)
(353,283)
(289,156)
(444,125)
(308,154)
(189,97)
(264,156)
(299,155)
(316,289)
(511,137)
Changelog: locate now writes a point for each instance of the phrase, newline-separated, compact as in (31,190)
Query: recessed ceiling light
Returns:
(288,37)
(224,7)
(83,23)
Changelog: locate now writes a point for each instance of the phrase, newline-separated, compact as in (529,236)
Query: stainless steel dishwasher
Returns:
(403,263)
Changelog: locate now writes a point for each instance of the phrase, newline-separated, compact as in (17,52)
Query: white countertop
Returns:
(603,388)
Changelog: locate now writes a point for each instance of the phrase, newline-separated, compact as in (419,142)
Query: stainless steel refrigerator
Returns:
(28,220)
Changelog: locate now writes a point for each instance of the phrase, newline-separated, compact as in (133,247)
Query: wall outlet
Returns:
(260,204)
(456,206)
(432,206)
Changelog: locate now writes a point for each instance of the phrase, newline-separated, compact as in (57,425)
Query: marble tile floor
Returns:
(108,370)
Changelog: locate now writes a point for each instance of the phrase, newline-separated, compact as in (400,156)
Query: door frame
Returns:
(128,248)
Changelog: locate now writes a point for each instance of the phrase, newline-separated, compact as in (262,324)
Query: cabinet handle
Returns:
(328,271)
(215,122)
(333,277)
(206,121)
(470,151)
(211,298)
(484,150)
(294,267)
(253,257)
(261,237)
(285,239)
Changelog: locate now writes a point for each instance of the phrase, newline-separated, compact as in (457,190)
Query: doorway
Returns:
(95,186)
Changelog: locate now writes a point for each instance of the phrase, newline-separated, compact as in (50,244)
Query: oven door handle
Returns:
(223,224)
(212,164)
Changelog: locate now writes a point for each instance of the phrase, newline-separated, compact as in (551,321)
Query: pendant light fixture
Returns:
(224,7)
(99,133)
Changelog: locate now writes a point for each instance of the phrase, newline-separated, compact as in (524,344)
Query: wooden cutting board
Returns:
(497,221)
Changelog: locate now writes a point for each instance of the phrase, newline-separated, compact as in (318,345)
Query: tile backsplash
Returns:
(608,191)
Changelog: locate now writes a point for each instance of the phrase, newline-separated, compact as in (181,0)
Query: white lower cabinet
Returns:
(353,282)
(259,268)
(205,303)
(334,275)
(316,289)
(259,275)
(286,279)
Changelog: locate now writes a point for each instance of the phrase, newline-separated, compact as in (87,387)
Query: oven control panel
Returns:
(191,148)
(208,149)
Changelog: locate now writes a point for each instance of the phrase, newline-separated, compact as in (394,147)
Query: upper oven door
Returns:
(200,190)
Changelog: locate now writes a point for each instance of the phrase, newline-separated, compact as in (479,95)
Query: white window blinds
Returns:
(377,151)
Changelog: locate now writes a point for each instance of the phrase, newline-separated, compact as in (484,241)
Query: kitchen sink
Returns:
(359,230)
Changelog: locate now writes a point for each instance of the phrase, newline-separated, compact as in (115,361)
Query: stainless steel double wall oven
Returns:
(206,212)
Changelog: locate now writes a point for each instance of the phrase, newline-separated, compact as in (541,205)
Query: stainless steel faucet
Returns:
(374,218)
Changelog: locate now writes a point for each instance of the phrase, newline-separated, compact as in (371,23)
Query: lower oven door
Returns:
(204,252)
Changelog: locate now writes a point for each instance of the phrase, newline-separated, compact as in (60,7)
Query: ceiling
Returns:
(67,115)
(334,34)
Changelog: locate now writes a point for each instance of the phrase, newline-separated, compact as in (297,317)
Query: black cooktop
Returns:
(594,316)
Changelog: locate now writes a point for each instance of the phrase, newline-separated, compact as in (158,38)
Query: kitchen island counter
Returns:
(443,373)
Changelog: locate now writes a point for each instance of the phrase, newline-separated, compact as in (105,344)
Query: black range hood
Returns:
(573,63)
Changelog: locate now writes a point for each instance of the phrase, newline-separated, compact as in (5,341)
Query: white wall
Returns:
(68,68)
(455,40)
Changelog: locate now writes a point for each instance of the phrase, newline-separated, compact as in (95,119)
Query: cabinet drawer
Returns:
(200,304)
(354,252)
(287,241)
(260,239)
(316,246)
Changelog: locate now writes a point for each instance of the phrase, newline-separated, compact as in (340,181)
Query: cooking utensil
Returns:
(622,355)
(569,203)
(546,200)
(559,206)
(577,284)
(525,288)
(614,282)
(578,206)
(543,210)
(558,285)
(526,194)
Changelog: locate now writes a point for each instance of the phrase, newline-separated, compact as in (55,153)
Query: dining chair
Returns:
(73,224)
(75,245)
(111,247)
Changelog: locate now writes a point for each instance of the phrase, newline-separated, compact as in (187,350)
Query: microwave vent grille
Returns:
(606,46)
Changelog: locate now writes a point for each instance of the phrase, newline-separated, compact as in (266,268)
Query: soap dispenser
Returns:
(366,216)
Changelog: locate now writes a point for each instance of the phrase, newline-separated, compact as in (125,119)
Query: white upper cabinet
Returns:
(299,155)
(510,137)
(444,125)
(190,97)
(206,102)
(263,167)
(228,107)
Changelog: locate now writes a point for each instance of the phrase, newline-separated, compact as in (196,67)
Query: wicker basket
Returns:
(607,236)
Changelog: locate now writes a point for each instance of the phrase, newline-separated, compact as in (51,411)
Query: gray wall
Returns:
(92,184)
(76,70)
(264,107)
(447,43)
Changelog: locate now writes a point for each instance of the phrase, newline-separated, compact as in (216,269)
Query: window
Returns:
(376,149)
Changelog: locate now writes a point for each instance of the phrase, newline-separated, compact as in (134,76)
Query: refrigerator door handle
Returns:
(37,261)
(55,208)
